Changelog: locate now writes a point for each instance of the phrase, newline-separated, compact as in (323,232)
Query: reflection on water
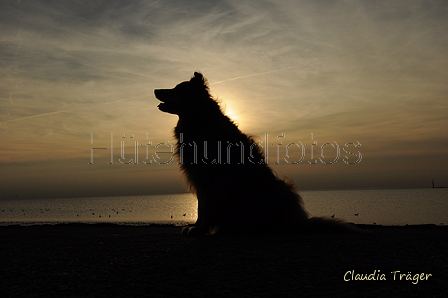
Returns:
(177,208)
(380,206)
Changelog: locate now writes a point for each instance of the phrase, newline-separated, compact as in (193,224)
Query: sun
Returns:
(231,112)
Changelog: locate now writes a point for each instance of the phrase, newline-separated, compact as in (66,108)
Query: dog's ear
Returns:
(199,79)
(198,75)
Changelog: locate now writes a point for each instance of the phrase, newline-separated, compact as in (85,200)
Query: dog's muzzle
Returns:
(165,96)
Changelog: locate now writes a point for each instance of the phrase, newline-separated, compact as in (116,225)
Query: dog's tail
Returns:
(316,225)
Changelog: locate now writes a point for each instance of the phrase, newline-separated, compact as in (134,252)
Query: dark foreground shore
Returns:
(101,260)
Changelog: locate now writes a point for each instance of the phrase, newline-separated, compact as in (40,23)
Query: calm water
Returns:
(380,206)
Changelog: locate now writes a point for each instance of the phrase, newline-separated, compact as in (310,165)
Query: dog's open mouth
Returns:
(167,107)
(163,106)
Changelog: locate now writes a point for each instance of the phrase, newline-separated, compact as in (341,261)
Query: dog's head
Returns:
(187,97)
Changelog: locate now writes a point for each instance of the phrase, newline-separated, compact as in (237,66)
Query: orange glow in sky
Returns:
(369,73)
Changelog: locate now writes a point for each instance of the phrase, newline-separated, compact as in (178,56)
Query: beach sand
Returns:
(100,260)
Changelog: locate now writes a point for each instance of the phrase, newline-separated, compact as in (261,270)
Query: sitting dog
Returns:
(237,191)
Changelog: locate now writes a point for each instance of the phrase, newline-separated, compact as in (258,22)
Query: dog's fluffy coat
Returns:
(237,191)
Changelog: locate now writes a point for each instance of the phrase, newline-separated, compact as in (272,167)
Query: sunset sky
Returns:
(76,75)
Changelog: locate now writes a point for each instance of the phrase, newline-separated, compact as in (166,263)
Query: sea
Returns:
(393,207)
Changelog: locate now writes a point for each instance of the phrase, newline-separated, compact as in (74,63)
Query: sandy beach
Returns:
(100,260)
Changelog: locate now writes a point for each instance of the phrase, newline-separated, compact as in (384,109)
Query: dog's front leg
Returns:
(207,215)
(198,228)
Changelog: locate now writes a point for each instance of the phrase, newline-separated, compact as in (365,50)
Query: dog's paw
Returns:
(186,229)
(193,231)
